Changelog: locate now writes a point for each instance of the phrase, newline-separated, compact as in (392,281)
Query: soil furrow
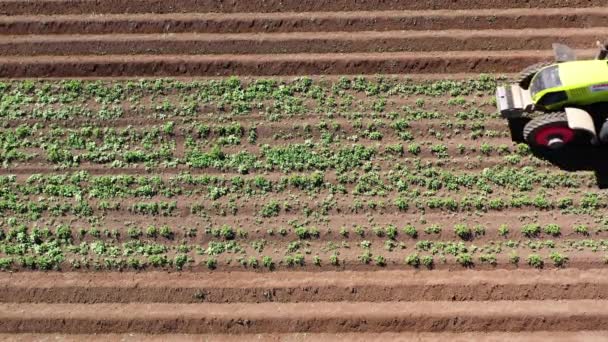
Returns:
(305,22)
(51,7)
(378,286)
(268,65)
(566,315)
(587,336)
(295,43)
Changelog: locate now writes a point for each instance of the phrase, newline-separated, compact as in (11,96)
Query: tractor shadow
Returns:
(577,157)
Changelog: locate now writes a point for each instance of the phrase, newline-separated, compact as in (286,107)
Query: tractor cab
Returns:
(557,100)
(543,84)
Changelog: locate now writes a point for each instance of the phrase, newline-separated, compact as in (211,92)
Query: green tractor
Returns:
(559,102)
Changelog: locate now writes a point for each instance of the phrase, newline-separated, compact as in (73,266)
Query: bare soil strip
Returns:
(251,287)
(52,7)
(561,336)
(296,43)
(473,19)
(268,65)
(436,316)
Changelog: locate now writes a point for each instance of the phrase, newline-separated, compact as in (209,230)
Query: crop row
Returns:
(371,183)
(46,249)
(233,90)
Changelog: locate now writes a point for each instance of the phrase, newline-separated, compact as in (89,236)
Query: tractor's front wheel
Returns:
(549,131)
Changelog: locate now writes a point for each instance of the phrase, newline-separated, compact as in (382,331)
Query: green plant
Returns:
(413,260)
(463,231)
(166,232)
(552,229)
(531,230)
(227,232)
(316,260)
(391,232)
(380,261)
(180,260)
(410,231)
(333,259)
(267,262)
(581,229)
(134,233)
(211,263)
(252,262)
(271,209)
(414,149)
(344,232)
(514,258)
(465,259)
(479,230)
(558,259)
(427,261)
(535,261)
(151,232)
(433,229)
(366,257)
(488,259)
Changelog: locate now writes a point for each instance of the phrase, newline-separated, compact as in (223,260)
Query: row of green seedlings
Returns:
(589,203)
(163,155)
(466,260)
(391,232)
(401,178)
(54,256)
(180,261)
(463,231)
(88,137)
(371,183)
(232,94)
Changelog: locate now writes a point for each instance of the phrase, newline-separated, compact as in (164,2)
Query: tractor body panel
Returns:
(581,120)
(513,101)
(570,83)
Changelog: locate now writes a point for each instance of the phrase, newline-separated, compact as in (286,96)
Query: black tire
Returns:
(537,131)
(526,75)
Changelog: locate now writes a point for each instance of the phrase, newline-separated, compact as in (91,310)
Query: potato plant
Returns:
(267,174)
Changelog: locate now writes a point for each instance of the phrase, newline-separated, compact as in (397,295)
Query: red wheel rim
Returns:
(547,133)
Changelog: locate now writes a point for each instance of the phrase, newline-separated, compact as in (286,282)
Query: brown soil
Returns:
(435,316)
(476,19)
(190,39)
(51,7)
(330,286)
(269,65)
(562,336)
(296,43)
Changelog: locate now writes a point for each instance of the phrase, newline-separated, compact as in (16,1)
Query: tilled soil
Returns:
(222,38)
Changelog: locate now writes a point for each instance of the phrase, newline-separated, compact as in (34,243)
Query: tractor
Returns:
(559,104)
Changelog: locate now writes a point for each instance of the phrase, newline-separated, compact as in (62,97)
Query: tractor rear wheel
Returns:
(525,77)
(549,131)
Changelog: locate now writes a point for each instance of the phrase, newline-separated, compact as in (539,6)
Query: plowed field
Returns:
(288,170)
